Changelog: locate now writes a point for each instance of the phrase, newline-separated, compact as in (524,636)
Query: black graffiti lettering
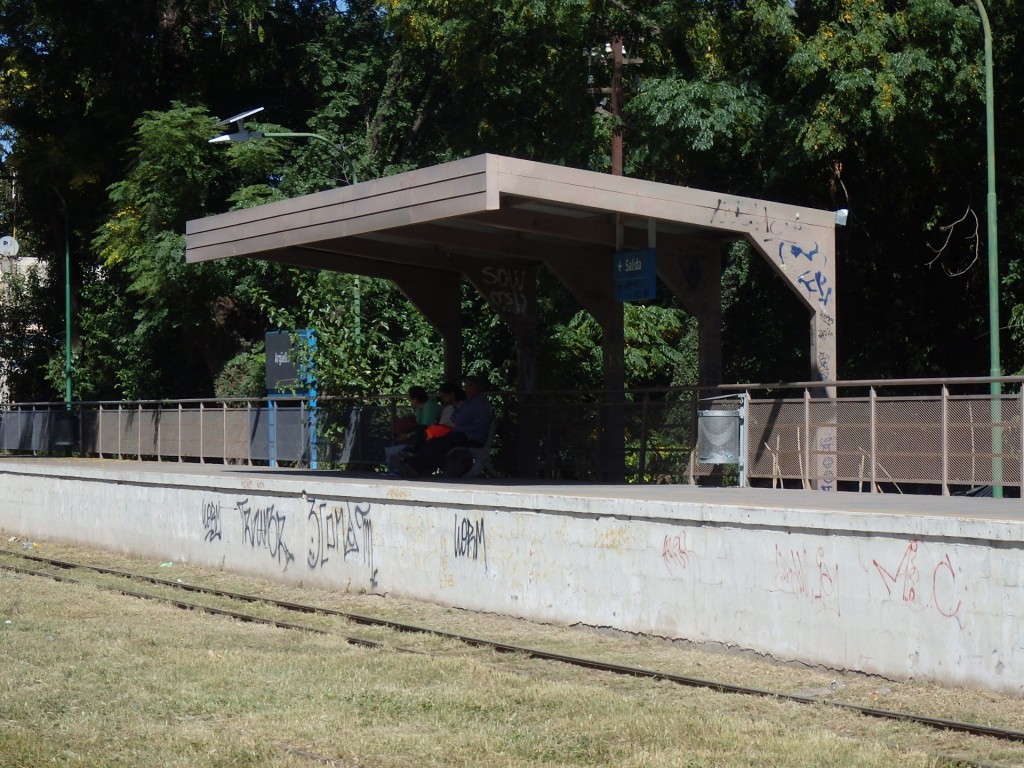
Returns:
(346,528)
(212,520)
(469,539)
(323,524)
(263,528)
(351,542)
(359,520)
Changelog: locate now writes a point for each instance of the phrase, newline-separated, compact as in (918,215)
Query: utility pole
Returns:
(614,96)
(617,64)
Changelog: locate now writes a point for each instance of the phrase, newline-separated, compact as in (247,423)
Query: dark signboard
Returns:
(635,274)
(289,357)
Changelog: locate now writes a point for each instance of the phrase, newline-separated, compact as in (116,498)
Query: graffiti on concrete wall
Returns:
(469,539)
(920,581)
(678,557)
(322,526)
(212,521)
(682,561)
(787,240)
(340,529)
(824,339)
(754,217)
(923,582)
(813,578)
(813,279)
(263,528)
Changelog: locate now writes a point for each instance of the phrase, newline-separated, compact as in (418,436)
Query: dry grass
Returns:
(92,678)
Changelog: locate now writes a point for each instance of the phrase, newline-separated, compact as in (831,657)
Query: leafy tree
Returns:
(24,348)
(74,81)
(660,347)
(863,104)
(873,105)
(170,325)
(368,337)
(504,76)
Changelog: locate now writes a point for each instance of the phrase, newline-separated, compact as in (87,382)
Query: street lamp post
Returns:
(995,367)
(241,134)
(67,301)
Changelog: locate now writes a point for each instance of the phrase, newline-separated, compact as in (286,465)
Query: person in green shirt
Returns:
(426,411)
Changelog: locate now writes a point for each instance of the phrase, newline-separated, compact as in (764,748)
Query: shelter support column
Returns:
(439,297)
(692,270)
(805,258)
(804,254)
(591,282)
(510,287)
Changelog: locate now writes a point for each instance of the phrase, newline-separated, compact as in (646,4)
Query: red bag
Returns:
(437,430)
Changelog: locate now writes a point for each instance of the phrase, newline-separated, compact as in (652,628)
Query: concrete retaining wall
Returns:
(928,594)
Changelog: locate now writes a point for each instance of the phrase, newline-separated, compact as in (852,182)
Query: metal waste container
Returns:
(718,437)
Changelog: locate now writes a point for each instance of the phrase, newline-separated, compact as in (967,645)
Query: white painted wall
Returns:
(931,593)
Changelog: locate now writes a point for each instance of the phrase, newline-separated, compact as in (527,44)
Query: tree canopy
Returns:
(872,105)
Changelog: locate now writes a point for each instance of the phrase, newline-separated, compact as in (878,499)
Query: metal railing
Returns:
(949,435)
(238,431)
(913,435)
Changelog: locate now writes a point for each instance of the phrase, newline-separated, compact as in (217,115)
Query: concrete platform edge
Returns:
(922,587)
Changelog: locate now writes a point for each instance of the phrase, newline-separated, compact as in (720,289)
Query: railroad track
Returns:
(972,729)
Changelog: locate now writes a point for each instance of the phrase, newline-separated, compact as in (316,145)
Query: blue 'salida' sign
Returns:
(635,274)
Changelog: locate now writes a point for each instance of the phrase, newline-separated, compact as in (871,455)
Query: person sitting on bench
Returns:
(451,397)
(411,431)
(470,424)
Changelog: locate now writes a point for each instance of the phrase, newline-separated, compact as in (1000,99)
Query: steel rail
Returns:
(244,617)
(938,723)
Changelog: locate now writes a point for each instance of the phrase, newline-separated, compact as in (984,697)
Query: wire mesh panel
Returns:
(147,431)
(19,430)
(360,432)
(1013,460)
(908,439)
(568,444)
(88,420)
(169,433)
(101,424)
(236,436)
(970,447)
(130,422)
(224,432)
(853,440)
(776,439)
(192,443)
(970,441)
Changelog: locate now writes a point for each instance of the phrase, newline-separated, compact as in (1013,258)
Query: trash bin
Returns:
(718,437)
(65,430)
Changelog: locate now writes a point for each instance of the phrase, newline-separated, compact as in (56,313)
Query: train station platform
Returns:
(901,586)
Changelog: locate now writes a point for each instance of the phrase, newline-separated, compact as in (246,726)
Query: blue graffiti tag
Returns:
(796,251)
(815,285)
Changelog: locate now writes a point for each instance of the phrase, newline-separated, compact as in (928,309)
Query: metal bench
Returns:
(480,457)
